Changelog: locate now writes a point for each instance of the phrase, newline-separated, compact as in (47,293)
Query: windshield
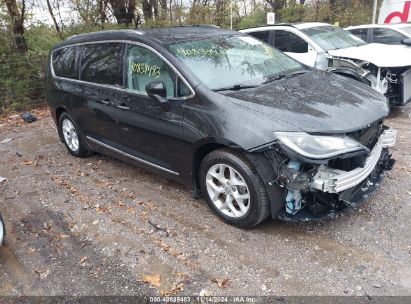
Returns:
(332,38)
(226,61)
(407,29)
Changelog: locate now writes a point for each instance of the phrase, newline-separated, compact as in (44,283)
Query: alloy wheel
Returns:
(228,190)
(70,135)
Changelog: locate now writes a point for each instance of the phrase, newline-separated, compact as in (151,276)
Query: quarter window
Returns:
(101,63)
(64,62)
(387,36)
(143,66)
(289,42)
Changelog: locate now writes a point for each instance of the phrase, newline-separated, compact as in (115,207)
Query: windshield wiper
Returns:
(275,77)
(236,87)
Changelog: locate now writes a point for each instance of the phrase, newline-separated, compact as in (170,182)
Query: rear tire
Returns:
(233,188)
(71,136)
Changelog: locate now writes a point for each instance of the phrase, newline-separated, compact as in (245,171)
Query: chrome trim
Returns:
(130,156)
(117,87)
(334,180)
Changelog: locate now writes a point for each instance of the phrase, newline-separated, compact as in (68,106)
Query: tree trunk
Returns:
(171,11)
(17,21)
(147,10)
(123,10)
(276,5)
(102,7)
(56,25)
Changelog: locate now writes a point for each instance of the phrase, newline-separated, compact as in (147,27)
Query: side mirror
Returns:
(157,91)
(406,41)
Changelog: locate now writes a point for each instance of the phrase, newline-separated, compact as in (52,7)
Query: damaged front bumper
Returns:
(323,191)
(334,181)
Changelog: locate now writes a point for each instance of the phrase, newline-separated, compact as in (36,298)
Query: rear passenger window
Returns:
(261,35)
(143,66)
(101,63)
(361,33)
(387,36)
(289,42)
(64,62)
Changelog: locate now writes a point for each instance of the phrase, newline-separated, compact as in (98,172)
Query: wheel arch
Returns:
(204,148)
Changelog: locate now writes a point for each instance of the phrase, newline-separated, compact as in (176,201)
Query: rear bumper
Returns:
(335,181)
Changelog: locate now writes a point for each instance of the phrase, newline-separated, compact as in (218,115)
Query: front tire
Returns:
(233,188)
(69,132)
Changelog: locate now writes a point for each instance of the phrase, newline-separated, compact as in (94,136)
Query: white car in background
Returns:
(393,34)
(386,68)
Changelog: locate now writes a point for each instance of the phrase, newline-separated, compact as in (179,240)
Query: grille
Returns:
(368,137)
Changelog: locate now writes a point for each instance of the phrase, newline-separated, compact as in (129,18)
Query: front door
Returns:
(145,131)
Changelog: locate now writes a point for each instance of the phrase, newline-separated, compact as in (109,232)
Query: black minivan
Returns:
(248,128)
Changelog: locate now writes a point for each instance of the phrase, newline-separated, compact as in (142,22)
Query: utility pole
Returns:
(374,12)
(231,14)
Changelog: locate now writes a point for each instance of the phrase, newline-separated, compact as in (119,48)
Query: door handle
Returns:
(122,106)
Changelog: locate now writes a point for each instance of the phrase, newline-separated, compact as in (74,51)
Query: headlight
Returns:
(318,146)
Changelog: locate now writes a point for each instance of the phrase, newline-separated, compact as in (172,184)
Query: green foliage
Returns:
(22,76)
(254,19)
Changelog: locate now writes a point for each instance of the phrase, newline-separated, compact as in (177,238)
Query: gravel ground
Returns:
(97,226)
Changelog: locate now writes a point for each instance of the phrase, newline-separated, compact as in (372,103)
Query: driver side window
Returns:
(143,66)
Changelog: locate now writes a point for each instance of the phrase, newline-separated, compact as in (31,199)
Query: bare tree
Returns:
(53,17)
(17,21)
(123,10)
(102,9)
(276,4)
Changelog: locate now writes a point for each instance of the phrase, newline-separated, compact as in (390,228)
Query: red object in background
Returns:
(402,15)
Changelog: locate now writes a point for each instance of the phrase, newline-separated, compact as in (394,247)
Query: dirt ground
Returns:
(97,226)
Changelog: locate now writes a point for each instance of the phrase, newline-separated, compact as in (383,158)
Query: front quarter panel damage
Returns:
(294,193)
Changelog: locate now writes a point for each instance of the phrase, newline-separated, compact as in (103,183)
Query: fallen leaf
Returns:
(83,259)
(27,162)
(221,282)
(47,226)
(42,273)
(152,279)
(120,204)
(131,210)
(173,290)
(5,140)
(204,293)
(144,216)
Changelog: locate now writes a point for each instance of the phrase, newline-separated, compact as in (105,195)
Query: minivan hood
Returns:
(382,55)
(315,102)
